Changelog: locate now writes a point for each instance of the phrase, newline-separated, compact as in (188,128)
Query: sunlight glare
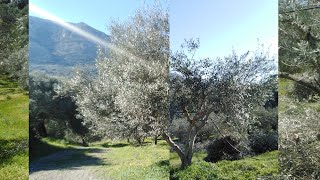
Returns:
(77,30)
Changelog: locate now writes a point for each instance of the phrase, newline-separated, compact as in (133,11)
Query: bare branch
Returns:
(173,145)
(308,82)
(224,137)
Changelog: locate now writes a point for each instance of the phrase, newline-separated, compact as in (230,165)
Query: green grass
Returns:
(264,165)
(285,87)
(298,119)
(126,161)
(137,162)
(121,160)
(14,132)
(175,160)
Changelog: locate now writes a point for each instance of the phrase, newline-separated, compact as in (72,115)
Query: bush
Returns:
(220,149)
(263,142)
(302,93)
(267,120)
(199,171)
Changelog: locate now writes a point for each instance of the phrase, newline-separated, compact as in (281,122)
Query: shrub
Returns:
(262,142)
(302,93)
(220,149)
(267,120)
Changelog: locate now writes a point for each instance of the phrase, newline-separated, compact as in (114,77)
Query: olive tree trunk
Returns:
(186,155)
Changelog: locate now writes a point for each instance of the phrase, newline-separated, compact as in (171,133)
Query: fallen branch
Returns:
(307,82)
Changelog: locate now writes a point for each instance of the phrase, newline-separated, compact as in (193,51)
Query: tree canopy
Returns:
(299,58)
(128,96)
(14,40)
(134,88)
(203,90)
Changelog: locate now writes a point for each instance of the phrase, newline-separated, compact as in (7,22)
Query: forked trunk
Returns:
(185,157)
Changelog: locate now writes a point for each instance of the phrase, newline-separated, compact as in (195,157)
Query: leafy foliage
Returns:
(50,115)
(13,100)
(298,46)
(223,91)
(14,40)
(263,134)
(263,142)
(128,97)
(299,61)
(220,149)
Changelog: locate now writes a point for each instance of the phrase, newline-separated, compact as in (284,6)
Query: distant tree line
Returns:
(51,115)
(14,40)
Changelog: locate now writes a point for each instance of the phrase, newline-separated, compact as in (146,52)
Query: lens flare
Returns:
(75,29)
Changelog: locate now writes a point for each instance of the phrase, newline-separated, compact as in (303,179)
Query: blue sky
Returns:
(220,25)
(96,13)
(224,25)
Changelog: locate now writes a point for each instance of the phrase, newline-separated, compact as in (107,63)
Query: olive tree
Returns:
(128,95)
(203,89)
(299,61)
(299,55)
(13,43)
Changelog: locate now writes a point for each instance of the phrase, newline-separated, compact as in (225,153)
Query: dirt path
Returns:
(76,164)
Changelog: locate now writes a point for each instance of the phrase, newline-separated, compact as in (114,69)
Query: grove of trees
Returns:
(51,115)
(14,41)
(128,96)
(137,93)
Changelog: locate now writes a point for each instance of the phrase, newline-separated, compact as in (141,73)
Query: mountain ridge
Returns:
(55,50)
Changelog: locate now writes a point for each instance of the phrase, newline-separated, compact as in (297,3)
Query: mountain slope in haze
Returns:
(55,50)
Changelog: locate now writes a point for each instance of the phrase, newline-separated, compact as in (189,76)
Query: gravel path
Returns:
(76,164)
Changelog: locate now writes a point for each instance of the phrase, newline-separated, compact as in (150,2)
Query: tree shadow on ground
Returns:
(117,145)
(38,149)
(69,159)
(11,148)
(163,163)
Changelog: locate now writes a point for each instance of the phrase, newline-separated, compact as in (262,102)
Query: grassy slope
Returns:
(13,131)
(264,165)
(129,162)
(298,119)
(122,160)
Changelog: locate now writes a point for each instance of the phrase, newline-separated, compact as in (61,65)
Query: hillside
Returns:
(56,50)
(13,130)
